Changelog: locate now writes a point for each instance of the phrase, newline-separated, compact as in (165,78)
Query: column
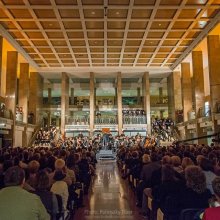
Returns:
(92,102)
(35,96)
(23,94)
(186,90)
(174,95)
(138,95)
(11,88)
(213,42)
(64,101)
(161,100)
(72,96)
(49,90)
(146,95)
(1,48)
(198,81)
(119,102)
(198,89)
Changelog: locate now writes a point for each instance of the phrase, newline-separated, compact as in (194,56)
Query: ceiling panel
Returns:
(83,33)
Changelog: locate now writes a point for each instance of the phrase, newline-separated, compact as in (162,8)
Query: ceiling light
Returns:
(93,12)
(159,24)
(50,24)
(117,13)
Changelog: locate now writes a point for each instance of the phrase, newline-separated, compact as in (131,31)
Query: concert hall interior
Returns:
(109,109)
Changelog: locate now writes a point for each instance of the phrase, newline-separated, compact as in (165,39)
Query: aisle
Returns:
(110,197)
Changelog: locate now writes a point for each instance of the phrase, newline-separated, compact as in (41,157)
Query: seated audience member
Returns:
(207,168)
(195,194)
(33,167)
(60,187)
(150,164)
(17,203)
(48,198)
(61,166)
(176,162)
(169,187)
(213,213)
(186,162)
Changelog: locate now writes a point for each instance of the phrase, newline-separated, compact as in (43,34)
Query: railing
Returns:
(134,120)
(106,120)
(77,120)
(216,135)
(4,113)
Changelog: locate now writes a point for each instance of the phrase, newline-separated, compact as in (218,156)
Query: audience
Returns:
(26,206)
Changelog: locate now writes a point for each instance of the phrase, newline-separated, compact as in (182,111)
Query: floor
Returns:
(110,196)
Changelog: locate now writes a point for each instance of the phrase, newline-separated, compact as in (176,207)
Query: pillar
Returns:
(198,81)
(138,95)
(11,88)
(23,94)
(92,102)
(64,101)
(119,102)
(72,96)
(1,48)
(174,95)
(213,42)
(146,95)
(49,90)
(198,89)
(161,100)
(35,96)
(186,86)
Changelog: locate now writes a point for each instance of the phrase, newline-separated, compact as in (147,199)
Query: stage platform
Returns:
(106,155)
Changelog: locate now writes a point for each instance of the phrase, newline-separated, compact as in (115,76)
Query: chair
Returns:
(188,214)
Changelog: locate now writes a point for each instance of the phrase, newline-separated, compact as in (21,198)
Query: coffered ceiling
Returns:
(107,33)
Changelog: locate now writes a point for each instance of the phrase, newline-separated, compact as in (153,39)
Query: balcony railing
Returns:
(106,120)
(134,119)
(77,120)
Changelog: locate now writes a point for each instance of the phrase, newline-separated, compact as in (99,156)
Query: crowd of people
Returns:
(53,179)
(176,178)
(45,135)
(163,128)
(48,183)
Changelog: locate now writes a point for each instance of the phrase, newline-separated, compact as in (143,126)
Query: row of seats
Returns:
(158,197)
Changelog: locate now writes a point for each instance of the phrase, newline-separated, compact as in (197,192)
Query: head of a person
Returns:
(33,166)
(146,158)
(59,175)
(14,176)
(166,160)
(176,161)
(195,179)
(199,158)
(59,164)
(216,187)
(168,173)
(43,181)
(187,162)
(206,164)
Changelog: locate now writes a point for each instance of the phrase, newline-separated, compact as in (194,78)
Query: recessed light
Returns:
(50,24)
(93,13)
(159,24)
(117,13)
